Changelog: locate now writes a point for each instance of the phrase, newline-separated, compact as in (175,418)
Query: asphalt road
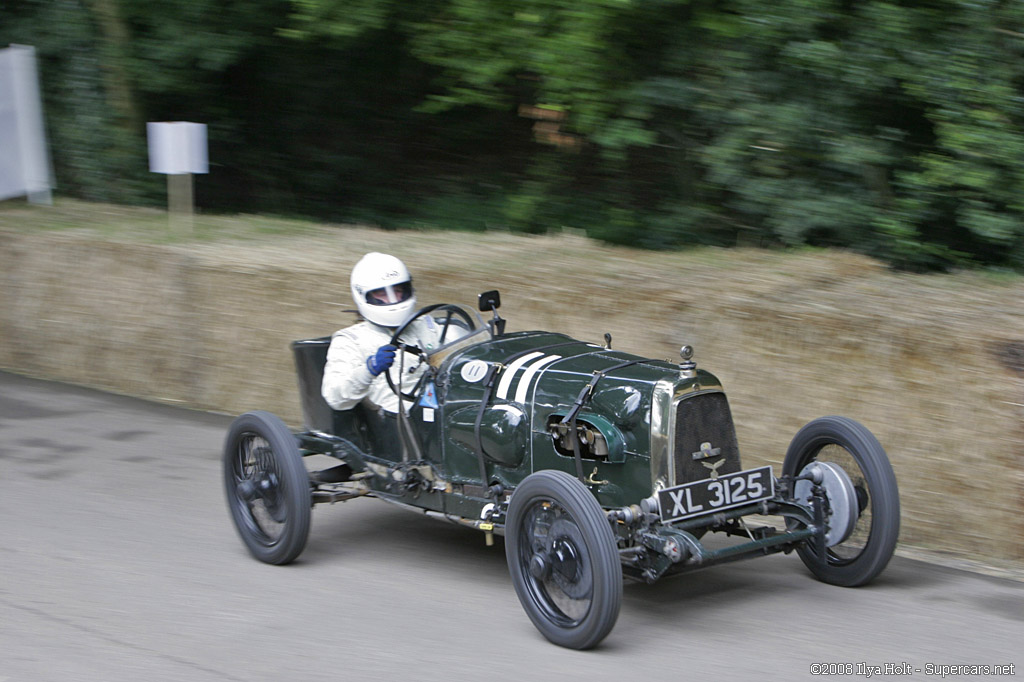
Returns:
(118,561)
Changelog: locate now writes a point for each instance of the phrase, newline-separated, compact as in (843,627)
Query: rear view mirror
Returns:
(489,300)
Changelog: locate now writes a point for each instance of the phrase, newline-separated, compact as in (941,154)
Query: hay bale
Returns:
(934,365)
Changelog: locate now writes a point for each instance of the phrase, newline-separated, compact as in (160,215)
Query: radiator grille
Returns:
(704,418)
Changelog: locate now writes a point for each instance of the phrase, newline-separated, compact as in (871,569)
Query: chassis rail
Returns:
(673,549)
(652,549)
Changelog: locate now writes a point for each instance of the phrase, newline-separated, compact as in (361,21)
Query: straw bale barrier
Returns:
(934,365)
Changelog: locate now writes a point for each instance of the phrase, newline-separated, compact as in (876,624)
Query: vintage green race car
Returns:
(593,464)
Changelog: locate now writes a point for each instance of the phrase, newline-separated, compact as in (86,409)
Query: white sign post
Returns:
(24,160)
(178,150)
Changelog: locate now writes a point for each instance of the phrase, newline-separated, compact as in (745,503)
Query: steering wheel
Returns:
(452,311)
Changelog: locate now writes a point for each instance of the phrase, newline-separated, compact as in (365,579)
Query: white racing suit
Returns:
(347,379)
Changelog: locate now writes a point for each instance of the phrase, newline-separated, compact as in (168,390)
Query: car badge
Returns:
(714,467)
(474,371)
(429,397)
(706,452)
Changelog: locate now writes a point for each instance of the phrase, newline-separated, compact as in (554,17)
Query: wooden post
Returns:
(178,149)
(180,202)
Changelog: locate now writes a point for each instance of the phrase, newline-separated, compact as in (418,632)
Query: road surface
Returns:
(118,561)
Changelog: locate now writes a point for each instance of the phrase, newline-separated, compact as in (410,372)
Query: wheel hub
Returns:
(268,486)
(569,570)
(246,490)
(264,486)
(843,502)
(540,566)
(566,559)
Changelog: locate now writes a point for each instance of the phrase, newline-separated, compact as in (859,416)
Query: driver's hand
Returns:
(381,360)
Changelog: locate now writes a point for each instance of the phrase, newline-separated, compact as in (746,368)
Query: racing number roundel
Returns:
(474,371)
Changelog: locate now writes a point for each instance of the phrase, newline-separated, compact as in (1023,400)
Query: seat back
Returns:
(369,430)
(310,359)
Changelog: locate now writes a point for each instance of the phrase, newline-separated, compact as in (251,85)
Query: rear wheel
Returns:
(870,540)
(563,559)
(267,487)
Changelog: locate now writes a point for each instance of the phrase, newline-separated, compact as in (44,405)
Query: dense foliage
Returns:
(894,127)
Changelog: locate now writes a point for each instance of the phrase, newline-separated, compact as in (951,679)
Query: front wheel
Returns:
(863,549)
(563,559)
(267,487)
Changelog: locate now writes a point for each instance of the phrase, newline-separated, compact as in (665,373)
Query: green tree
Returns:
(889,126)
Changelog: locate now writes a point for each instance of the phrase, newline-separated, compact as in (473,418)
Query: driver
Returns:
(360,355)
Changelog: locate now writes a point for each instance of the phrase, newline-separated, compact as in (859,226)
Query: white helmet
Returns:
(382,289)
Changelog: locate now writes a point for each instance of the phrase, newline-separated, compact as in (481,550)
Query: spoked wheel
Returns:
(267,487)
(872,525)
(563,559)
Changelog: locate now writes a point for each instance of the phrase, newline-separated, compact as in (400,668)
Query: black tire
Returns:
(267,487)
(862,556)
(574,592)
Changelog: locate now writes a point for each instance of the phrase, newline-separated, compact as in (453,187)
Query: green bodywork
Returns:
(494,408)
(545,397)
(628,417)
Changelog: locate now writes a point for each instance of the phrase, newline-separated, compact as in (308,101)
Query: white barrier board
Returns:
(177,147)
(24,161)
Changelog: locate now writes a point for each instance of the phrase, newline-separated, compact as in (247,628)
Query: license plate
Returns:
(715,494)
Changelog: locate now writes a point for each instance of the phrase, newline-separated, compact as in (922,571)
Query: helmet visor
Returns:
(390,294)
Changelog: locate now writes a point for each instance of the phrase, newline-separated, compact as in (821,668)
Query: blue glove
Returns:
(381,360)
